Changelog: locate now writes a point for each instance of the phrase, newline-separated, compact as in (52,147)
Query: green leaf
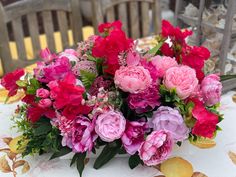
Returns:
(155,49)
(80,163)
(87,78)
(31,90)
(134,161)
(227,77)
(21,83)
(64,150)
(42,129)
(179,143)
(108,152)
(34,83)
(74,159)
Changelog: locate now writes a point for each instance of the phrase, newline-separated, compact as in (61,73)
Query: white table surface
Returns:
(213,162)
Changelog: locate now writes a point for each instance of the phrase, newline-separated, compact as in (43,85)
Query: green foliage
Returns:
(168,97)
(108,152)
(63,151)
(99,63)
(87,78)
(155,49)
(134,161)
(80,162)
(32,86)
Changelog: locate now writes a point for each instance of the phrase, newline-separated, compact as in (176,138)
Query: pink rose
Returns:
(211,88)
(183,79)
(133,79)
(42,93)
(156,148)
(133,136)
(163,63)
(110,126)
(45,103)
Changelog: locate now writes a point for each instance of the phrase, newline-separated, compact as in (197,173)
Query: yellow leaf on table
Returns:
(176,167)
(204,143)
(16,98)
(234,98)
(4,166)
(25,168)
(16,147)
(232,156)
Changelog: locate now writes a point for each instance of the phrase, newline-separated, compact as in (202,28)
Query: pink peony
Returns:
(133,79)
(211,88)
(45,103)
(133,136)
(145,100)
(183,79)
(78,134)
(151,68)
(163,63)
(156,148)
(42,93)
(170,120)
(110,126)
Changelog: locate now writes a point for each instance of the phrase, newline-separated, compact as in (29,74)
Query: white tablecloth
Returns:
(213,162)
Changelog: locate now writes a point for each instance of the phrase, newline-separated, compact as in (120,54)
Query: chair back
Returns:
(28,16)
(138,16)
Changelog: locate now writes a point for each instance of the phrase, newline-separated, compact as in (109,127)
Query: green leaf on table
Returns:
(81,162)
(64,150)
(87,78)
(134,161)
(108,152)
(155,49)
(74,159)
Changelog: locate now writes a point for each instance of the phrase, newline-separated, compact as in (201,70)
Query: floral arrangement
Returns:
(107,95)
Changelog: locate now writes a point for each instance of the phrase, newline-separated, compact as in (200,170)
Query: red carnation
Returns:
(206,120)
(195,57)
(9,81)
(107,27)
(34,113)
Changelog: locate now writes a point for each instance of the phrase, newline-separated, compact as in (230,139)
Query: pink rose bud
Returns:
(46,55)
(211,88)
(45,103)
(42,93)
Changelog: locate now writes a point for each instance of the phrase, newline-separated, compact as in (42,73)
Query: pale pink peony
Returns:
(170,120)
(211,88)
(133,136)
(71,54)
(183,79)
(163,63)
(42,93)
(45,103)
(133,79)
(110,126)
(156,148)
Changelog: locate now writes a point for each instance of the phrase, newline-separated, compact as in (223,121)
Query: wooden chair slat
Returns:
(134,20)
(63,27)
(34,33)
(111,14)
(19,37)
(123,16)
(48,28)
(145,18)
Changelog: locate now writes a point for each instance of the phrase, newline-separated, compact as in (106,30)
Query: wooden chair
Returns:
(67,14)
(134,15)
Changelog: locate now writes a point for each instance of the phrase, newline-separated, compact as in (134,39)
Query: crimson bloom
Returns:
(9,81)
(111,45)
(206,120)
(34,113)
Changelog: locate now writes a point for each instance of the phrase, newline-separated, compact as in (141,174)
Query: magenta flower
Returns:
(145,100)
(156,148)
(97,84)
(79,134)
(42,93)
(170,120)
(133,136)
(211,88)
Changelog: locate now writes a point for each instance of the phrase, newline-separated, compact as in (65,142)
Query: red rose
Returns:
(34,113)
(9,81)
(206,120)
